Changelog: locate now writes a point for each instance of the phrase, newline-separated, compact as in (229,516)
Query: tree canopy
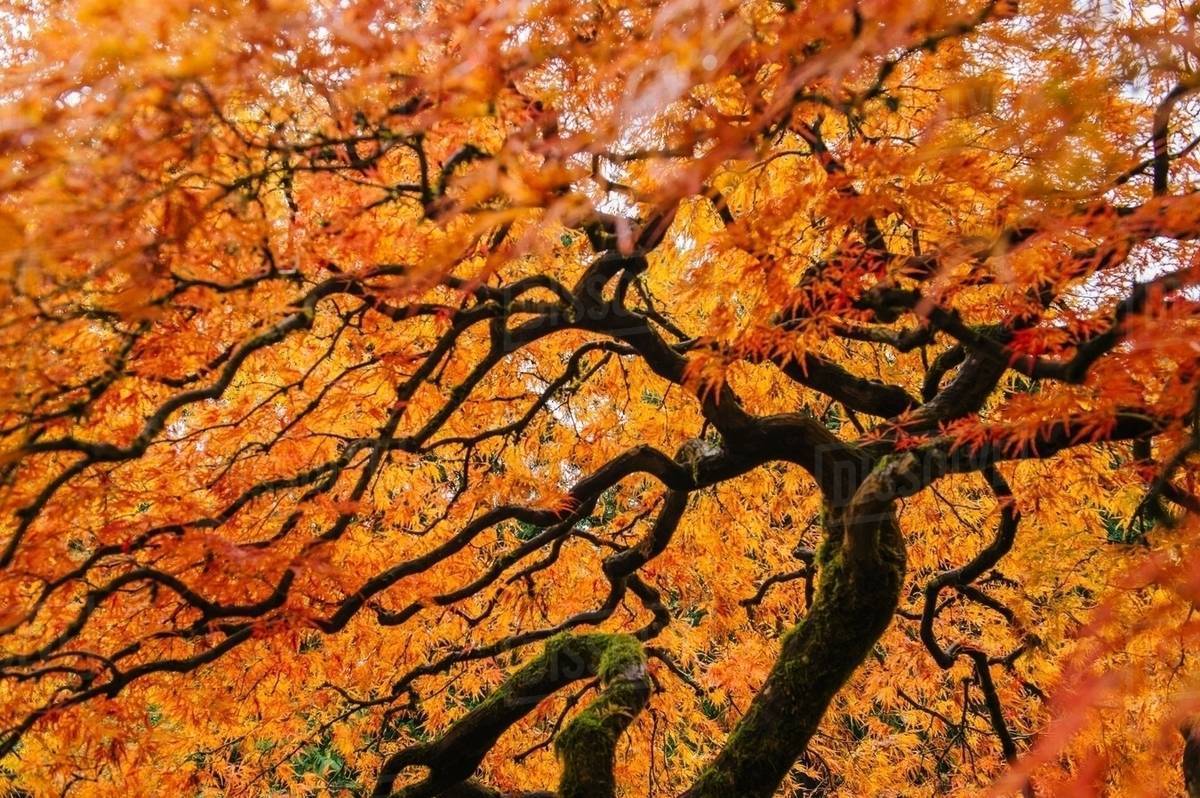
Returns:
(675,398)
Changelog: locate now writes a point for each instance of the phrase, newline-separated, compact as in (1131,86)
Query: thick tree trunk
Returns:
(856,598)
(586,747)
(1191,758)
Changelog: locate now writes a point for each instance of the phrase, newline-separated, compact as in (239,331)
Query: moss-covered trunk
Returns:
(586,747)
(855,600)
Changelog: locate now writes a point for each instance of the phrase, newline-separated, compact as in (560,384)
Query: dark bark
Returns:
(586,746)
(856,597)
(1191,758)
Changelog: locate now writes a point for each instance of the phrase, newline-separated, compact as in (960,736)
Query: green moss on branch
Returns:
(856,598)
(587,746)
(618,661)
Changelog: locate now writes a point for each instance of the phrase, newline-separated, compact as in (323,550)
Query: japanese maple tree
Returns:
(527,397)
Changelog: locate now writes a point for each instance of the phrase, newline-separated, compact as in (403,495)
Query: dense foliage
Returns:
(690,397)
